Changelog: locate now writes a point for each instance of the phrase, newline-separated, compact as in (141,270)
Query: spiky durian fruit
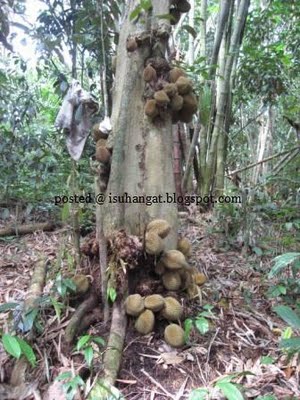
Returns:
(154,302)
(149,74)
(199,278)
(175,74)
(145,322)
(184,85)
(160,226)
(102,154)
(131,44)
(184,245)
(177,102)
(161,98)
(134,305)
(192,291)
(82,284)
(172,310)
(170,89)
(186,277)
(185,115)
(190,102)
(151,109)
(174,259)
(171,280)
(154,244)
(174,335)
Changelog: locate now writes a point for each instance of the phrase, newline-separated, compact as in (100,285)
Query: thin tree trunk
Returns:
(191,37)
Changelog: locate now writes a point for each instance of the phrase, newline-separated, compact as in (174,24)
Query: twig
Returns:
(157,384)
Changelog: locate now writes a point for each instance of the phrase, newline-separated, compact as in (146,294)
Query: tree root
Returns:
(75,323)
(24,229)
(113,356)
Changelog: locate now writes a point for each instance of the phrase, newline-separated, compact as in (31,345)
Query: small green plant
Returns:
(289,286)
(224,385)
(71,385)
(63,286)
(85,344)
(18,347)
(289,343)
(201,322)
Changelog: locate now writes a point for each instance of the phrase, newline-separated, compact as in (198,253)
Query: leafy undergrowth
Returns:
(233,334)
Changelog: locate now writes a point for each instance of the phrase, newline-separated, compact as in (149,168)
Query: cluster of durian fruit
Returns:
(102,155)
(175,274)
(172,265)
(175,96)
(145,308)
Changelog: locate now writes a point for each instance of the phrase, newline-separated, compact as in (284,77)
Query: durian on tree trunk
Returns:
(142,156)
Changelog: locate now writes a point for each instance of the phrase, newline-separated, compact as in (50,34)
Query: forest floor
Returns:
(242,341)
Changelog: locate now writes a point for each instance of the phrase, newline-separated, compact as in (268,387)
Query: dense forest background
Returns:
(242,140)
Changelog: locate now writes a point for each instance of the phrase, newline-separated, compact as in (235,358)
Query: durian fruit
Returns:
(192,291)
(149,74)
(97,134)
(154,302)
(134,305)
(172,310)
(177,102)
(184,85)
(186,278)
(160,226)
(170,89)
(82,284)
(174,335)
(171,280)
(154,244)
(101,143)
(145,322)
(160,268)
(151,109)
(174,259)
(199,278)
(161,98)
(175,74)
(184,246)
(131,45)
(190,102)
(102,155)
(183,6)
(185,115)
(175,16)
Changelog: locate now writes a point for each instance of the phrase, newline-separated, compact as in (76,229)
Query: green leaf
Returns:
(202,325)
(188,324)
(288,315)
(27,351)
(293,343)
(282,262)
(28,319)
(82,341)
(258,251)
(190,30)
(135,13)
(11,345)
(63,376)
(99,340)
(8,306)
(111,294)
(267,360)
(89,355)
(230,391)
(198,394)
(146,5)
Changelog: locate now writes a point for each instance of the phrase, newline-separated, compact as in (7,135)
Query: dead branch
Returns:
(29,228)
(190,158)
(263,161)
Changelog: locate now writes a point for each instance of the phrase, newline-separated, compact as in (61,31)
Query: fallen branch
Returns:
(263,161)
(24,229)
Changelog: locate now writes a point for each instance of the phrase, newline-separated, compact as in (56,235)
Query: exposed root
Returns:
(75,323)
(24,229)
